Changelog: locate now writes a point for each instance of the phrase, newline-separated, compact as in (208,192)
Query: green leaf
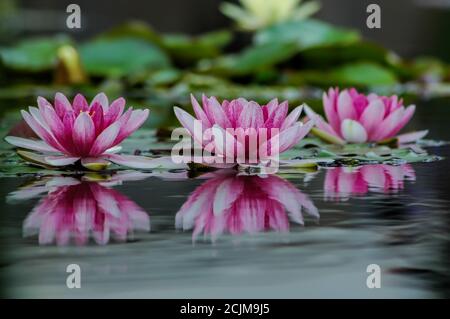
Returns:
(133,29)
(33,55)
(186,49)
(253,59)
(115,57)
(327,137)
(306,34)
(363,74)
(348,53)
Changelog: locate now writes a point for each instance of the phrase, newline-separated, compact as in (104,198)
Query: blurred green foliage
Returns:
(285,60)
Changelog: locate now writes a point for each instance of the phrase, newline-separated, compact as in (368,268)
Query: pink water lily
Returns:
(78,131)
(240,121)
(356,118)
(229,203)
(342,182)
(78,210)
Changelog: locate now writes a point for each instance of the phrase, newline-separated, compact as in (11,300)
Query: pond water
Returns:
(166,235)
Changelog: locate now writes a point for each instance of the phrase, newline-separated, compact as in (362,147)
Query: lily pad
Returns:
(349,53)
(356,154)
(252,59)
(33,55)
(306,34)
(361,74)
(185,49)
(116,57)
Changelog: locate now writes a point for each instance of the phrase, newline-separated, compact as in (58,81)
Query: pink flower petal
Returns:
(80,104)
(251,116)
(226,144)
(353,132)
(96,112)
(330,108)
(124,118)
(293,135)
(188,121)
(201,115)
(411,137)
(52,119)
(42,132)
(234,110)
(345,107)
(57,127)
(114,111)
(372,116)
(34,145)
(137,118)
(83,133)
(388,125)
(61,160)
(142,162)
(271,107)
(37,115)
(292,117)
(105,140)
(102,99)
(320,123)
(114,149)
(62,104)
(407,115)
(277,116)
(216,113)
(42,102)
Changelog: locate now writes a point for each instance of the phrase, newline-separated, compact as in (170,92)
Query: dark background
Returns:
(409,27)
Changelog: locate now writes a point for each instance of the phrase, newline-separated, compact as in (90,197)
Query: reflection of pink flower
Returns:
(238,204)
(357,118)
(70,132)
(341,182)
(240,121)
(78,209)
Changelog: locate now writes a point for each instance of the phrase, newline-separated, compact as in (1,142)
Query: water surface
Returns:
(161,235)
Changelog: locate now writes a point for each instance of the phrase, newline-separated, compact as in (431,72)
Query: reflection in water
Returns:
(235,204)
(80,208)
(341,182)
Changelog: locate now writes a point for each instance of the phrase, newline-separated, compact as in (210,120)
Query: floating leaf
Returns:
(342,53)
(34,158)
(134,29)
(353,74)
(33,55)
(327,137)
(253,59)
(186,49)
(306,34)
(363,74)
(115,57)
(355,154)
